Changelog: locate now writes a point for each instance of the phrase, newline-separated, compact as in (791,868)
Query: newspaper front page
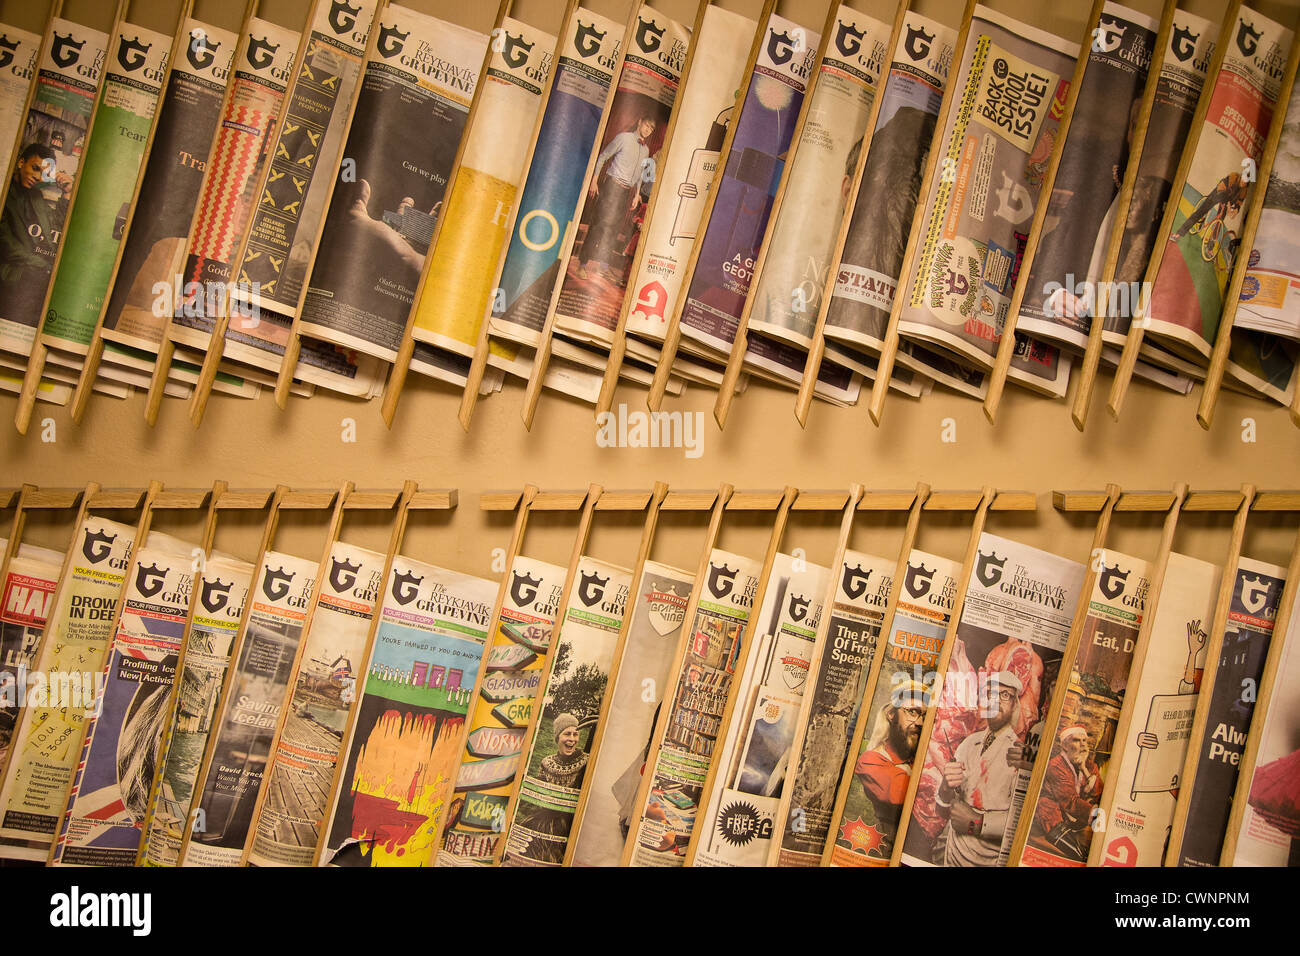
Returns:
(133,80)
(788,295)
(658,611)
(261,69)
(222,591)
(1182,76)
(409,119)
(104,820)
(568,712)
(288,829)
(993,156)
(48,738)
(240,741)
(1061,293)
(704,112)
(729,248)
(25,605)
(16,78)
(1063,818)
(50,149)
(1187,292)
(1251,617)
(1272,818)
(282,234)
(865,832)
(474,820)
(457,291)
(817,755)
(739,818)
(401,758)
(137,314)
(556,172)
(628,159)
(1163,703)
(1006,658)
(662,825)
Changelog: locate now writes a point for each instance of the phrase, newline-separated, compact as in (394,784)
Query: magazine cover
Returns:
(1272,818)
(288,828)
(1062,816)
(865,832)
(556,173)
(994,153)
(223,589)
(25,605)
(240,740)
(1061,294)
(1182,76)
(262,67)
(282,233)
(628,158)
(857,314)
(719,286)
(133,79)
(1187,291)
(739,817)
(36,199)
(568,716)
(104,820)
(405,132)
(662,825)
(789,291)
(47,740)
(614,772)
(1251,616)
(821,739)
(1161,698)
(704,112)
(458,288)
(137,314)
(475,816)
(1004,664)
(401,756)
(1270,294)
(18,50)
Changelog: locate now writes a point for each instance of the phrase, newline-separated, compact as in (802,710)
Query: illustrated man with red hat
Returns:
(1071,789)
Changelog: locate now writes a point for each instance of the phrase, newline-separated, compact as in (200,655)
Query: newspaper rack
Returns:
(283,499)
(673,331)
(817,350)
(217,341)
(146,503)
(36,360)
(1137,329)
(885,365)
(1213,651)
(1268,687)
(618,348)
(166,347)
(542,357)
(1232,295)
(95,350)
(1071,652)
(1091,359)
(478,365)
(402,364)
(1007,342)
(736,360)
